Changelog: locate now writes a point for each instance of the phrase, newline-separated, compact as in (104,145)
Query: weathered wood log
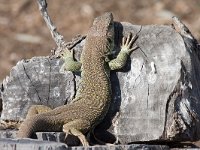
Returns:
(155,97)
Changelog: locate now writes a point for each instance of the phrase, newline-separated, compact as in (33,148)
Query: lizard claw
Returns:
(128,42)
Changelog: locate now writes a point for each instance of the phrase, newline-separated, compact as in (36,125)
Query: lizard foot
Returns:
(69,63)
(80,136)
(128,42)
(126,48)
(72,128)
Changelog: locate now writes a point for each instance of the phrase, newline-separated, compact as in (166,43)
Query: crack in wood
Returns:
(49,90)
(31,82)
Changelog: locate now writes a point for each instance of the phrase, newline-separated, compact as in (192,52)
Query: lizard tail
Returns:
(29,126)
(25,130)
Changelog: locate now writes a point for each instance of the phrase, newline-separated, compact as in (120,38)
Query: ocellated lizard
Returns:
(94,95)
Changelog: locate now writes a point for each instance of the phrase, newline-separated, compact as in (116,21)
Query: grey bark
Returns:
(155,97)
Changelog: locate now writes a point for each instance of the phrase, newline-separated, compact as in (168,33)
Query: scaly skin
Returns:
(94,94)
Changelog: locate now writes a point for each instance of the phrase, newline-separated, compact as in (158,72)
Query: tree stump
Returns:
(155,97)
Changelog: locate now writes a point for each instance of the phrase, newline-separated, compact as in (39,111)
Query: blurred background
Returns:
(23,33)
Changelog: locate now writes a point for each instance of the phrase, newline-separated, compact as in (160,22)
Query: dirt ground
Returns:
(23,33)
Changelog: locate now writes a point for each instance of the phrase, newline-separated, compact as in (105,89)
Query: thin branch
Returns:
(58,38)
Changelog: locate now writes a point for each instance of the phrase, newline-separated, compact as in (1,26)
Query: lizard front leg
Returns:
(126,49)
(69,63)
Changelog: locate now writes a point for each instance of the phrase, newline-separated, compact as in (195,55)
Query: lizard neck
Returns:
(95,85)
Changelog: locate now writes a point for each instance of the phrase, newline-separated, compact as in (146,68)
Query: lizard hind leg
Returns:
(24,127)
(33,110)
(37,109)
(77,128)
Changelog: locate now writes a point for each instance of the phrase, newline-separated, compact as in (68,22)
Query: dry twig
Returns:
(58,38)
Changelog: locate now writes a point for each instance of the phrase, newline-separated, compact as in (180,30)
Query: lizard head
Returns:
(103,29)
